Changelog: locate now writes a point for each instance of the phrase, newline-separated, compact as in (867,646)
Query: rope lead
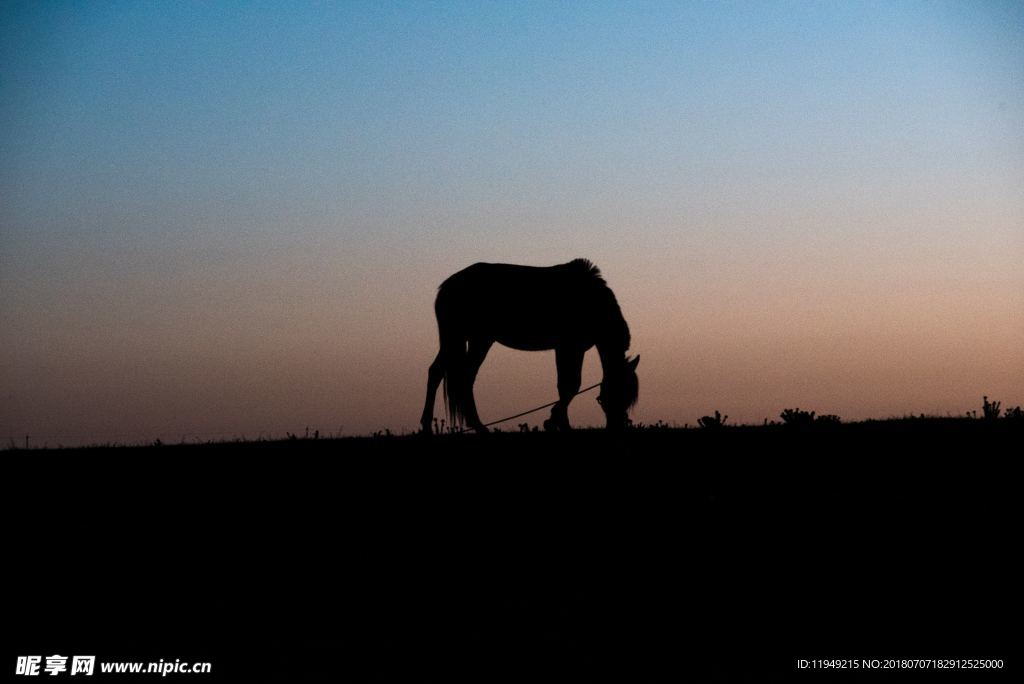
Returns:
(533,410)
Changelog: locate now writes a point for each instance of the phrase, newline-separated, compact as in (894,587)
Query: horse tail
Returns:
(455,383)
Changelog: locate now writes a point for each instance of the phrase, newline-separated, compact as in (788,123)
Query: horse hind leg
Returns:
(475,356)
(434,377)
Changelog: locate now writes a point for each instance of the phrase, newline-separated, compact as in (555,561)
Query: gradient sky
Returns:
(224,219)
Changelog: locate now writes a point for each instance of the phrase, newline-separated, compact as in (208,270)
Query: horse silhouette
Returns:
(568,308)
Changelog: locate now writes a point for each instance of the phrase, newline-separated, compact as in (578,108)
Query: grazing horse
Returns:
(568,308)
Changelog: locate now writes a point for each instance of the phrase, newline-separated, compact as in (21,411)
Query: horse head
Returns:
(619,391)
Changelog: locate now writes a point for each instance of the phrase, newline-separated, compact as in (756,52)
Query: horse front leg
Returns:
(569,362)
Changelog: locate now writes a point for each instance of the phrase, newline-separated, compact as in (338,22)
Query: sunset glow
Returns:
(223,220)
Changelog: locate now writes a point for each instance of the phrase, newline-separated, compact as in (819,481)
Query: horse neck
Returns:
(613,340)
(615,330)
(612,353)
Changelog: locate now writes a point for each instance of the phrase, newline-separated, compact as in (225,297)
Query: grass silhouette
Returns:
(658,553)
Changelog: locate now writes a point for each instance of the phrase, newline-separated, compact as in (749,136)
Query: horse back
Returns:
(507,284)
(528,307)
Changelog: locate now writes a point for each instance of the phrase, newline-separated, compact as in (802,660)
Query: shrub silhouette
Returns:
(797,417)
(713,422)
(1015,413)
(990,409)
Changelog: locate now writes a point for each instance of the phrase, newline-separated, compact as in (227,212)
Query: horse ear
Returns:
(633,364)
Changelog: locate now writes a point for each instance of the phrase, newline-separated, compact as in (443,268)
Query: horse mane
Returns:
(588,270)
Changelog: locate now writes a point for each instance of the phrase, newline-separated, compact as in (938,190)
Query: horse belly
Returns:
(531,328)
(527,343)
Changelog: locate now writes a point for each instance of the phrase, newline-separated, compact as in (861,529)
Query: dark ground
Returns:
(681,555)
